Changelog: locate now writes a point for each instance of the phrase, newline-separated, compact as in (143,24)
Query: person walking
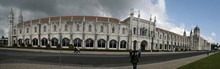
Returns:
(75,49)
(134,60)
(78,50)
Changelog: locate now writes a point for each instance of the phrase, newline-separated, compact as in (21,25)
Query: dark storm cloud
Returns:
(118,8)
(45,8)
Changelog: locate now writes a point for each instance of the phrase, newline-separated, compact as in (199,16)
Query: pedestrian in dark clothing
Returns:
(134,60)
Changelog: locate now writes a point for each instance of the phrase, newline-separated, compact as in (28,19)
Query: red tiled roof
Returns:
(66,18)
(77,18)
(44,20)
(35,21)
(54,18)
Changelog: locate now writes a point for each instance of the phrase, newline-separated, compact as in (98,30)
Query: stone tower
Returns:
(20,17)
(184,33)
(11,24)
(197,32)
(196,38)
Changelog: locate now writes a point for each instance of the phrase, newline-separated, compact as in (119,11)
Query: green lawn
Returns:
(211,62)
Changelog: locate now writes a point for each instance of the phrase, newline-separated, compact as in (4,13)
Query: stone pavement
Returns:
(173,64)
(88,52)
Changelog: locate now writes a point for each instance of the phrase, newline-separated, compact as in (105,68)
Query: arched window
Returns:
(77,42)
(77,27)
(102,28)
(113,29)
(112,44)
(90,28)
(45,28)
(66,27)
(35,41)
(65,42)
(14,31)
(54,42)
(140,31)
(54,28)
(20,31)
(146,32)
(27,30)
(35,29)
(123,31)
(134,30)
(89,43)
(135,44)
(101,43)
(44,42)
(143,32)
(123,44)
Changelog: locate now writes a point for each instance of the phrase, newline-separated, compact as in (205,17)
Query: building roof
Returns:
(75,18)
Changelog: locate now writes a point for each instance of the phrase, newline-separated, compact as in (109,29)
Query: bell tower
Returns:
(197,32)
(20,17)
(11,24)
(184,33)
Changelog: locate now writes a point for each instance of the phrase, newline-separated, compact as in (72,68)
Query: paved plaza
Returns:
(38,59)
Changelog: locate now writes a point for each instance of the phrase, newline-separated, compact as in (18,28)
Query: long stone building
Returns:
(101,33)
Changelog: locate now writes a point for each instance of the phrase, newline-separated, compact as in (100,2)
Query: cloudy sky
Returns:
(173,15)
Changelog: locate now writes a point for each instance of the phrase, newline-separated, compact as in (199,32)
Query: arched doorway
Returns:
(113,44)
(65,42)
(143,45)
(135,44)
(35,41)
(89,42)
(123,44)
(101,43)
(77,42)
(44,42)
(54,41)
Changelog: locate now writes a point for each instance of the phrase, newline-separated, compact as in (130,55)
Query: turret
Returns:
(11,24)
(20,17)
(197,31)
(150,18)
(11,16)
(155,19)
(132,13)
(191,33)
(184,33)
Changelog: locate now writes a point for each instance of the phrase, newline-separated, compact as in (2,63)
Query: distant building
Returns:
(3,41)
(93,32)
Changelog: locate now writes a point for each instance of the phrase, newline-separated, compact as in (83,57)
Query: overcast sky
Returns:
(120,9)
